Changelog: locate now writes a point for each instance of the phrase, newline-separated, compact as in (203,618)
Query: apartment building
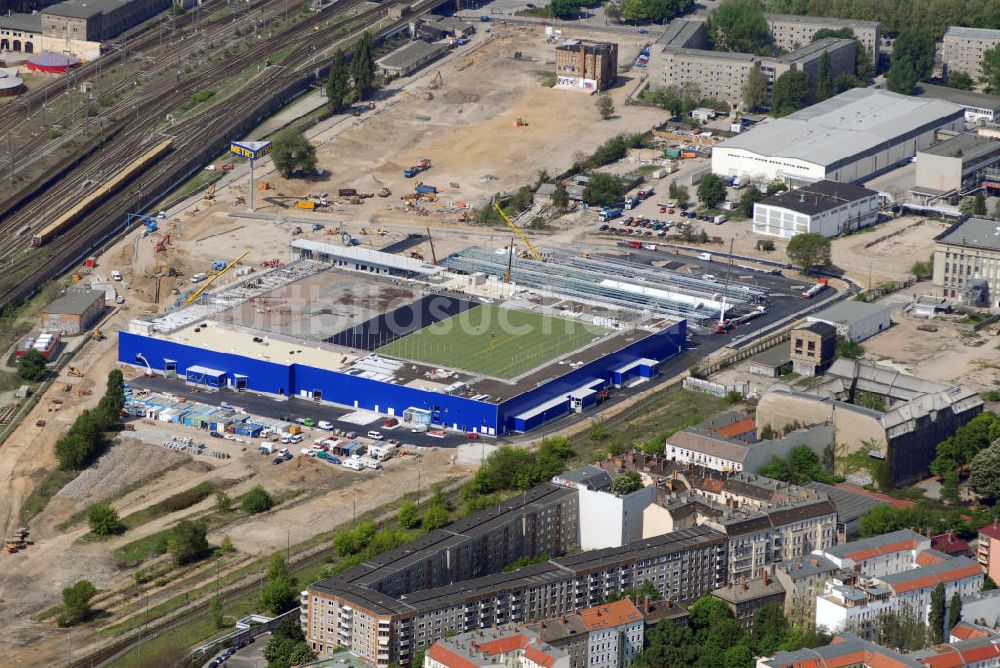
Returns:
(746,597)
(878,556)
(857,607)
(354,611)
(791,31)
(722,76)
(962,49)
(586,65)
(850,650)
(605,636)
(967,264)
(766,521)
(509,647)
(803,580)
(988,550)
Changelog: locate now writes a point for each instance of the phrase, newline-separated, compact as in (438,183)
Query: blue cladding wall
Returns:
(466,414)
(659,346)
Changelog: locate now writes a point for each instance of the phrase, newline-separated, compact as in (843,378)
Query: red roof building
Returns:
(511,647)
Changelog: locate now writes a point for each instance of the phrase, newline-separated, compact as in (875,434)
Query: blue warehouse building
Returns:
(487,406)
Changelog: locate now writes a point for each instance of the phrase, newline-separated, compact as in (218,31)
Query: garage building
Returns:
(827,207)
(74,312)
(849,138)
(410,58)
(855,320)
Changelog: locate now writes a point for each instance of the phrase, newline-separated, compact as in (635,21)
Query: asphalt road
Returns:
(290,409)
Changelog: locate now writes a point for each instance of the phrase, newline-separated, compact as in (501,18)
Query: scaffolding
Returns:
(616,282)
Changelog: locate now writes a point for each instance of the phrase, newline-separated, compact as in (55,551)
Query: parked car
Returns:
(375,435)
(472,436)
(324,425)
(307,421)
(278,460)
(287,456)
(215,434)
(351,434)
(282,452)
(333,460)
(603,227)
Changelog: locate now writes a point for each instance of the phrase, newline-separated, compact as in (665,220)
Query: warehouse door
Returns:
(169,368)
(239,382)
(317,395)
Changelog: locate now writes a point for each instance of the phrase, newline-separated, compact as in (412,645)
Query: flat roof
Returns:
(21,21)
(814,48)
(711,55)
(849,311)
(414,52)
(82,10)
(75,302)
(850,505)
(680,32)
(974,232)
(819,197)
(965,98)
(969,146)
(980,33)
(822,20)
(368,256)
(844,126)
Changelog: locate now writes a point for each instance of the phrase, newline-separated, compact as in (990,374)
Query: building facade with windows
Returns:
(793,31)
(967,263)
(825,207)
(586,65)
(962,49)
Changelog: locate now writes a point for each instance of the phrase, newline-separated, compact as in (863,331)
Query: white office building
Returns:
(826,207)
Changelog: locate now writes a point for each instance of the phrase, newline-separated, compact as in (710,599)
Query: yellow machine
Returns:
(534,253)
(229,266)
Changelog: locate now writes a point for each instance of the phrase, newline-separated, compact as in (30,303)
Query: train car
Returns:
(815,290)
(102,192)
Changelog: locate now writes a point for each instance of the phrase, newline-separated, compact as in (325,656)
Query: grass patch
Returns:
(11,381)
(548,78)
(171,504)
(44,492)
(647,425)
(197,183)
(136,552)
(494,341)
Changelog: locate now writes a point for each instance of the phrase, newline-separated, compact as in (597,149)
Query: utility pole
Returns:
(10,157)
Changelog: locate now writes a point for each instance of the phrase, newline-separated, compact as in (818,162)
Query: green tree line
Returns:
(84,441)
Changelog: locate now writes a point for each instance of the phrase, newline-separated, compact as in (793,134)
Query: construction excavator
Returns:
(209,194)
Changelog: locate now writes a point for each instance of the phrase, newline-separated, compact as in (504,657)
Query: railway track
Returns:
(211,130)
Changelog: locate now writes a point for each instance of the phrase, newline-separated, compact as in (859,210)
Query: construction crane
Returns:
(534,253)
(434,257)
(510,260)
(229,266)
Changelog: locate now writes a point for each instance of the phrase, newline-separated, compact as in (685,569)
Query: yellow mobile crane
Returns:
(229,266)
(534,253)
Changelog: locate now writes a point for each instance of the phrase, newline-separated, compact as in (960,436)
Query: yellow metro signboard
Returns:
(251,150)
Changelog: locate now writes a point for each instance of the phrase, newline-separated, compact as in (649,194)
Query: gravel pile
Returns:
(127,461)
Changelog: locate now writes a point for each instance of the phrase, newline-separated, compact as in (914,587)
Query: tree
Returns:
(935,619)
(849,349)
(287,646)
(750,197)
(257,500)
(605,106)
(979,205)
(337,84)
(844,81)
(984,472)
(76,602)
(363,67)
(791,92)
(809,250)
(435,517)
(679,193)
(738,26)
(755,90)
(950,487)
(564,9)
(104,520)
(560,198)
(901,78)
(31,365)
(776,469)
(408,517)
(824,81)
(912,60)
(223,503)
(922,269)
(769,629)
(991,69)
(226,546)
(960,80)
(711,190)
(216,612)
(954,611)
(188,542)
(626,484)
(604,189)
(278,593)
(967,206)
(292,153)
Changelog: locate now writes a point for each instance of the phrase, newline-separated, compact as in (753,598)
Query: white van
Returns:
(267,448)
(375,435)
(199,277)
(324,425)
(116,275)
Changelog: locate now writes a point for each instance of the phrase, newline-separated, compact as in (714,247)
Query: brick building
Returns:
(586,65)
(74,312)
(813,347)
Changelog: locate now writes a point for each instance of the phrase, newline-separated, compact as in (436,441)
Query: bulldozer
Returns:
(98,335)
(73,371)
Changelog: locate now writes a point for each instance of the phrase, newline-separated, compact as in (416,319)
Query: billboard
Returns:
(251,150)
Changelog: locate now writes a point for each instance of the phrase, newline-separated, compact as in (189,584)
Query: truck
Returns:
(116,275)
(645,193)
(267,448)
(199,277)
(672,153)
(218,265)
(720,219)
(419,166)
(306,204)
(607,214)
(631,202)
(705,257)
(635,244)
(424,189)
(815,290)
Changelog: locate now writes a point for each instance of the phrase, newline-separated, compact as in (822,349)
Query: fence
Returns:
(715,389)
